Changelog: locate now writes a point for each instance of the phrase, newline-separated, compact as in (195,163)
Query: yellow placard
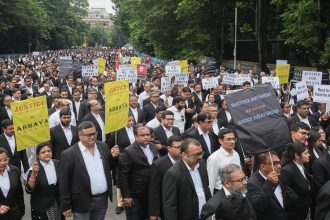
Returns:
(135,61)
(184,66)
(30,119)
(283,71)
(101,65)
(116,105)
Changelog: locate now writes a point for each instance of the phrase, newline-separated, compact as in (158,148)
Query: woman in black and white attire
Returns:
(42,184)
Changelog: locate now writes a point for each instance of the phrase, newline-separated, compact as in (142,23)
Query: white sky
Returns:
(101,4)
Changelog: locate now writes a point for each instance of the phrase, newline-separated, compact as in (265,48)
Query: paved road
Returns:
(111,215)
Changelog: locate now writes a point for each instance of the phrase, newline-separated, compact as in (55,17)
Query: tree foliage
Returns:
(99,36)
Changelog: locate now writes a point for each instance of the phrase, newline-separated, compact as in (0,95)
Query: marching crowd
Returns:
(178,157)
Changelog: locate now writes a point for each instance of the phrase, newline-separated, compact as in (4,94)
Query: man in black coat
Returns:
(134,110)
(134,173)
(233,180)
(189,106)
(84,177)
(302,115)
(63,135)
(321,170)
(185,184)
(322,208)
(264,190)
(159,169)
(150,109)
(84,109)
(198,96)
(166,129)
(8,142)
(202,133)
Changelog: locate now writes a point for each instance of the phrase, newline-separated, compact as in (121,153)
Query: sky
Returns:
(101,4)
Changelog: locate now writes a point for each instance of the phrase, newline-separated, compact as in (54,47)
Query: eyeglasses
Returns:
(241,180)
(230,139)
(196,155)
(90,134)
(4,160)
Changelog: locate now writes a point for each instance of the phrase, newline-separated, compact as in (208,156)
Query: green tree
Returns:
(100,36)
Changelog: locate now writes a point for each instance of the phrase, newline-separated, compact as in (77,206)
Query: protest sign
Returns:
(210,83)
(228,79)
(258,118)
(101,65)
(283,71)
(301,91)
(125,72)
(235,79)
(311,77)
(65,66)
(30,119)
(181,79)
(172,70)
(35,53)
(165,84)
(184,66)
(274,80)
(229,91)
(116,105)
(142,71)
(89,70)
(321,93)
(135,61)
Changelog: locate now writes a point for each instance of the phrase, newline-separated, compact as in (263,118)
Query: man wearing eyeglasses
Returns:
(222,157)
(303,115)
(185,185)
(264,189)
(299,132)
(233,180)
(84,177)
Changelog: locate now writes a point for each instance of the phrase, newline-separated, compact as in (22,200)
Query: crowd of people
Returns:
(178,157)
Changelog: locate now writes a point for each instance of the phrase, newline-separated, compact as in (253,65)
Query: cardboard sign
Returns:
(321,93)
(210,83)
(172,70)
(312,77)
(89,70)
(35,53)
(283,72)
(165,84)
(125,72)
(181,79)
(274,80)
(236,79)
(301,91)
(142,71)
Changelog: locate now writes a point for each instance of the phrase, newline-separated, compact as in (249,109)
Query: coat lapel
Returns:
(188,176)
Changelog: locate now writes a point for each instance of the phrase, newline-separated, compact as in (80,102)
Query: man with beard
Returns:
(179,113)
(264,190)
(233,180)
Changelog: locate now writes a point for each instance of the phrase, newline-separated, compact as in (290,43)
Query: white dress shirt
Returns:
(196,178)
(95,169)
(11,142)
(143,96)
(277,192)
(153,123)
(67,133)
(101,124)
(130,134)
(216,161)
(50,172)
(206,138)
(8,110)
(301,169)
(215,127)
(4,182)
(77,104)
(179,118)
(305,120)
(168,98)
(147,152)
(135,114)
(228,115)
(168,132)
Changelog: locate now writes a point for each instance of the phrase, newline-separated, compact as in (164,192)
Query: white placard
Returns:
(232,91)
(301,91)
(279,62)
(321,93)
(274,80)
(235,79)
(66,58)
(89,70)
(181,79)
(126,60)
(125,72)
(228,79)
(35,53)
(172,70)
(312,77)
(210,83)
(165,83)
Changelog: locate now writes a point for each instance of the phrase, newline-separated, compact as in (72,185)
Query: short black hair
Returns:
(203,116)
(177,99)
(186,89)
(173,138)
(42,145)
(164,113)
(3,150)
(160,108)
(263,157)
(301,103)
(188,141)
(225,131)
(65,112)
(6,122)
(85,125)
(302,125)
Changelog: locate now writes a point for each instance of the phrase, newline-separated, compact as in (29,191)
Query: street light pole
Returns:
(235,41)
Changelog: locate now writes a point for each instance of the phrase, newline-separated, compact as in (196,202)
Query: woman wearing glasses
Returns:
(11,191)
(42,184)
(296,181)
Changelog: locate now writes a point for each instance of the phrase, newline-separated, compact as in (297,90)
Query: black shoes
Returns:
(119,210)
